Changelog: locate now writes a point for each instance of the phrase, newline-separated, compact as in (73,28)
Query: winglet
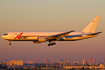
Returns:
(91,27)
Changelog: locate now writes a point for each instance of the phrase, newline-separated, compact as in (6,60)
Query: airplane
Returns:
(51,37)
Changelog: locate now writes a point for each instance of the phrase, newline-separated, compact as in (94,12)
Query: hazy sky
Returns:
(52,15)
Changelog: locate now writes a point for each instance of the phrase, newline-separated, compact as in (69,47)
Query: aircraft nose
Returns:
(3,37)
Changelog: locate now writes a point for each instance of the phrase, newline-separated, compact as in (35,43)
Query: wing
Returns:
(59,35)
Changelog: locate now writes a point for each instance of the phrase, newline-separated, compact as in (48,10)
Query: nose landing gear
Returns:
(9,42)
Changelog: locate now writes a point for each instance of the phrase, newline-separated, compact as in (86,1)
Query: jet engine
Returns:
(40,39)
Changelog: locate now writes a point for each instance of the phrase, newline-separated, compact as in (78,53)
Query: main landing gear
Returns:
(53,43)
(9,42)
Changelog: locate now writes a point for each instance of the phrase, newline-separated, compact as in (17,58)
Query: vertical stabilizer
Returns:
(91,27)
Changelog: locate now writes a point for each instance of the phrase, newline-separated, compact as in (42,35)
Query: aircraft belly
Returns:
(70,39)
(76,38)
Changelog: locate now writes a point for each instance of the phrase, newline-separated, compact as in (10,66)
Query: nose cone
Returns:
(3,37)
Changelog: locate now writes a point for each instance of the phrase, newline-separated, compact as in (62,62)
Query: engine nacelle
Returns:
(40,39)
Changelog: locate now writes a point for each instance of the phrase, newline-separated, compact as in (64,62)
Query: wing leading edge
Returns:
(59,35)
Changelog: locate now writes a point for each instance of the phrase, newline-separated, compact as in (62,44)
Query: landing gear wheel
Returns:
(48,44)
(51,44)
(9,43)
(54,43)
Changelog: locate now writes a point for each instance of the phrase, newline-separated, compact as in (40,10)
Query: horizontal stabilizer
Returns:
(95,33)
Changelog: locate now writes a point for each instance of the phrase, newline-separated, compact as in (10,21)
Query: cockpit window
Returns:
(5,34)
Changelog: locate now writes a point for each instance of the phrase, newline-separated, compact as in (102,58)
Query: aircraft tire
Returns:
(48,44)
(10,44)
(54,43)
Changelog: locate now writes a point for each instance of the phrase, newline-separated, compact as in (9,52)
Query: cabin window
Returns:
(5,34)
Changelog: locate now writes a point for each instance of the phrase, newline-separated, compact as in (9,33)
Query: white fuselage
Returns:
(31,36)
(38,37)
